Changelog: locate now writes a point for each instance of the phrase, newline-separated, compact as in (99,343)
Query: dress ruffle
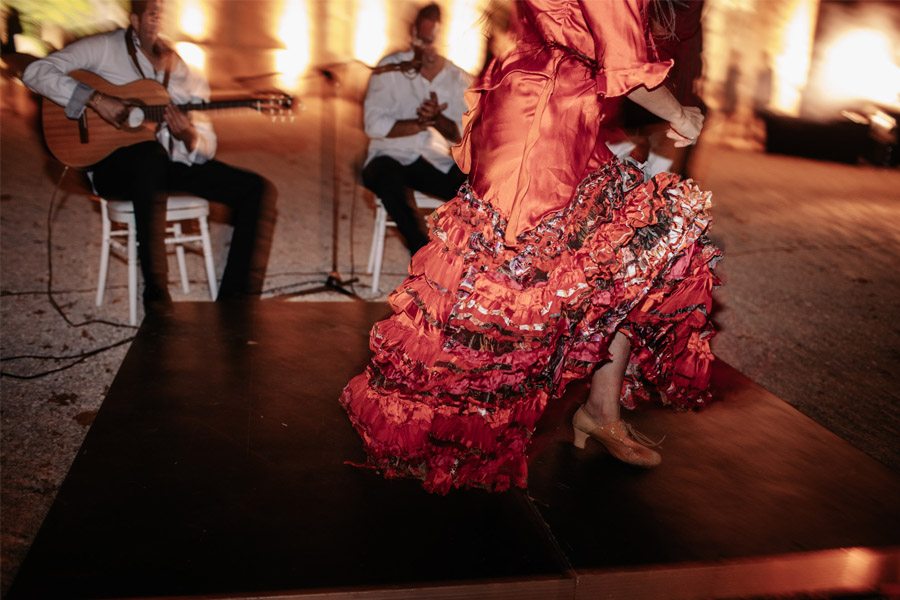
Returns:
(618,82)
(484,333)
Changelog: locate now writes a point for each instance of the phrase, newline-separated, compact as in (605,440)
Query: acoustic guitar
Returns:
(89,139)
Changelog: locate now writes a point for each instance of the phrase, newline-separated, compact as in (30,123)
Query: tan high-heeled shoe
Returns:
(617,437)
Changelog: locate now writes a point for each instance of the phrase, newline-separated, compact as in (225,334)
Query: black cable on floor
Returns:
(50,297)
(43,292)
(75,358)
(281,288)
(78,358)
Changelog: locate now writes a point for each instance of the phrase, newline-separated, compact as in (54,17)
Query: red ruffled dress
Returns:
(549,249)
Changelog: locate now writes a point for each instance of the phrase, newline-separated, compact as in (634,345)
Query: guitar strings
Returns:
(275,106)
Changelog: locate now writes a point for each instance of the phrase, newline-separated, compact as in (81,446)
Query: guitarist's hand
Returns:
(111,109)
(180,127)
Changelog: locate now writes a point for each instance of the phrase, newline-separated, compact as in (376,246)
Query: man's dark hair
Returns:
(139,7)
(429,12)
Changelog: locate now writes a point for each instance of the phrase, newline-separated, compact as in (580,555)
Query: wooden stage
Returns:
(216,469)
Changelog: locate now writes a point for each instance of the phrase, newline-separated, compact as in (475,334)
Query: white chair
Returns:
(379,230)
(179,208)
(655,163)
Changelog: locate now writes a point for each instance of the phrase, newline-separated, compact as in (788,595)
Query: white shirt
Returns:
(106,55)
(394,96)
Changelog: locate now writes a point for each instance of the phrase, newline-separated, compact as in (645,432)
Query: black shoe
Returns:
(157,301)
(235,296)
(159,308)
(154,292)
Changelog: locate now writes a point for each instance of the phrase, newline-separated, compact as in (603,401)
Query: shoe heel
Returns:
(580,438)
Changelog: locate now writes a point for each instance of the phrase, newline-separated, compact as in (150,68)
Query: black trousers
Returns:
(143,174)
(392,182)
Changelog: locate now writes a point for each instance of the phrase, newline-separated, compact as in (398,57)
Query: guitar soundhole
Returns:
(135,117)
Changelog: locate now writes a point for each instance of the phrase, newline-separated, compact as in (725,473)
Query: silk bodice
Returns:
(533,127)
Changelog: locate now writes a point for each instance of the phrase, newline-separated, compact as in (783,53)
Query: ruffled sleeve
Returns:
(620,44)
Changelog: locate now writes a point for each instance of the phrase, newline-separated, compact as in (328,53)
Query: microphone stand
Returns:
(333,282)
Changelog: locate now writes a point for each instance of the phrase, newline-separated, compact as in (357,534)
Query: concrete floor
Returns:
(809,309)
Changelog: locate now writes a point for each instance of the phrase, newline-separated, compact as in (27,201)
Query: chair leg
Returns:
(132,274)
(378,245)
(104,254)
(179,256)
(208,258)
(372,247)
(382,236)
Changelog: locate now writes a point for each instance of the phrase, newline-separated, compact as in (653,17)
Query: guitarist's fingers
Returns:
(180,126)
(176,120)
(121,115)
(111,109)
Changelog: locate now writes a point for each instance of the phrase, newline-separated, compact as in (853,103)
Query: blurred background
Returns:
(772,67)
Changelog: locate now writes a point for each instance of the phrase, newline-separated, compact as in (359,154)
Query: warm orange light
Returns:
(861,567)
(193,55)
(192,19)
(464,36)
(791,68)
(370,41)
(858,64)
(294,33)
(882,120)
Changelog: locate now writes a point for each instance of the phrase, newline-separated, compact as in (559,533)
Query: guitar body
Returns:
(78,144)
(88,140)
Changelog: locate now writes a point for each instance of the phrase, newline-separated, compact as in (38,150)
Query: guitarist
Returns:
(181,160)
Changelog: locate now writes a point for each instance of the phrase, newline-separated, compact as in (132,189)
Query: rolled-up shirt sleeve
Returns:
(380,110)
(207,142)
(49,76)
(620,41)
(188,86)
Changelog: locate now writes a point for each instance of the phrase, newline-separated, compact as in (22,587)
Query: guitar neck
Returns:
(155,112)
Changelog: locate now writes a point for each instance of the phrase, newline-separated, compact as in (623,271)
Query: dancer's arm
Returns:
(685,122)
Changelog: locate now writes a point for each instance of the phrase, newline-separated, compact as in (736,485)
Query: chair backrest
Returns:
(423,200)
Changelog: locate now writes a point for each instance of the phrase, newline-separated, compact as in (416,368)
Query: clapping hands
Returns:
(430,110)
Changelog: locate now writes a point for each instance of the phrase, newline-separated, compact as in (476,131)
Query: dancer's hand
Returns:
(685,129)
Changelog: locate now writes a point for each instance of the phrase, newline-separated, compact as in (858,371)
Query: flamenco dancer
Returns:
(555,262)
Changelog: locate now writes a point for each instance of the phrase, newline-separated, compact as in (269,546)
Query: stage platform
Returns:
(217,468)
